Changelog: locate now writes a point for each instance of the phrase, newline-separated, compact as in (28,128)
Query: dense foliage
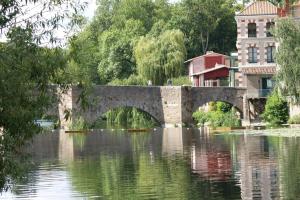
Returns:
(221,114)
(27,68)
(131,80)
(159,59)
(287,33)
(181,81)
(294,120)
(130,118)
(149,38)
(129,42)
(26,71)
(276,110)
(126,43)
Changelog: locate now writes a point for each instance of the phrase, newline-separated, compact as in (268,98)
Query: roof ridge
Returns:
(254,10)
(207,54)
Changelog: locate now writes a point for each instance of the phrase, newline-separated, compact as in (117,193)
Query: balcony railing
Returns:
(258,93)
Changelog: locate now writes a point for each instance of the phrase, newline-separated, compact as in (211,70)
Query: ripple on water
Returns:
(167,164)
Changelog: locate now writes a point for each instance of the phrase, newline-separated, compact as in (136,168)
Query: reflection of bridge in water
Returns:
(248,161)
(169,105)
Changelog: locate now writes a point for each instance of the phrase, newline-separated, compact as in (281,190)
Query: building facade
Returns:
(256,47)
(211,70)
(294,11)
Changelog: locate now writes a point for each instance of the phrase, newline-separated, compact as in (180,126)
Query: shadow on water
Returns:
(172,163)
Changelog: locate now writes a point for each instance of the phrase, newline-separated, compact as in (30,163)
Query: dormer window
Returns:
(251,30)
(269,27)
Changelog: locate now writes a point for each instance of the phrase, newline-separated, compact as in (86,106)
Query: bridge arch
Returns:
(105,98)
(232,96)
(240,110)
(107,109)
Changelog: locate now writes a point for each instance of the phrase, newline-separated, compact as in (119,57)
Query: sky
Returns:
(88,13)
(31,9)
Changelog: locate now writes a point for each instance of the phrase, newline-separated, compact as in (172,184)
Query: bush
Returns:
(276,111)
(132,80)
(223,107)
(200,117)
(182,80)
(217,118)
(212,106)
(231,120)
(294,120)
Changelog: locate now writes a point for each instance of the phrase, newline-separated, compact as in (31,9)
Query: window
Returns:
(267,83)
(252,55)
(270,25)
(251,30)
(270,54)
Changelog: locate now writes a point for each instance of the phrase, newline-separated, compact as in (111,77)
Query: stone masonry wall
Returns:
(203,95)
(169,105)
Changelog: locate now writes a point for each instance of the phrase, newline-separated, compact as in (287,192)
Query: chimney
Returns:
(287,7)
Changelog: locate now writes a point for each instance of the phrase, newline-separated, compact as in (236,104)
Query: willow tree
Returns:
(287,33)
(160,58)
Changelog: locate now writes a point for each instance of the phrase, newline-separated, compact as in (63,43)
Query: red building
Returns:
(211,69)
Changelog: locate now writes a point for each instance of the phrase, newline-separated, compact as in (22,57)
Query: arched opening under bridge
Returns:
(217,114)
(125,117)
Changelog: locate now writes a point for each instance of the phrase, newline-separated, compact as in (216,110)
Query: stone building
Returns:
(256,47)
(294,11)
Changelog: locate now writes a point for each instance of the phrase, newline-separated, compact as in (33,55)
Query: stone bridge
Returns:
(169,105)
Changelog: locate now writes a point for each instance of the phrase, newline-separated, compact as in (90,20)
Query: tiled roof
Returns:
(259,8)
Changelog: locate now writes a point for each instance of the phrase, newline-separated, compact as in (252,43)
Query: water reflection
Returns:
(211,160)
(164,164)
(258,168)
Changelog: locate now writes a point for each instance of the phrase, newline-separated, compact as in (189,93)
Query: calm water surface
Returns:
(163,164)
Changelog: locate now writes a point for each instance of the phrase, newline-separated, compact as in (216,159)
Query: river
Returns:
(173,163)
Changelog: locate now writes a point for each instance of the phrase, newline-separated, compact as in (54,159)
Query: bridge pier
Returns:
(246,111)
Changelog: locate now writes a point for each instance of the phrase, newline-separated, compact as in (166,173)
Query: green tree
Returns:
(276,110)
(131,80)
(220,114)
(26,71)
(107,43)
(159,59)
(116,51)
(83,58)
(141,10)
(201,21)
(25,66)
(83,48)
(287,33)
